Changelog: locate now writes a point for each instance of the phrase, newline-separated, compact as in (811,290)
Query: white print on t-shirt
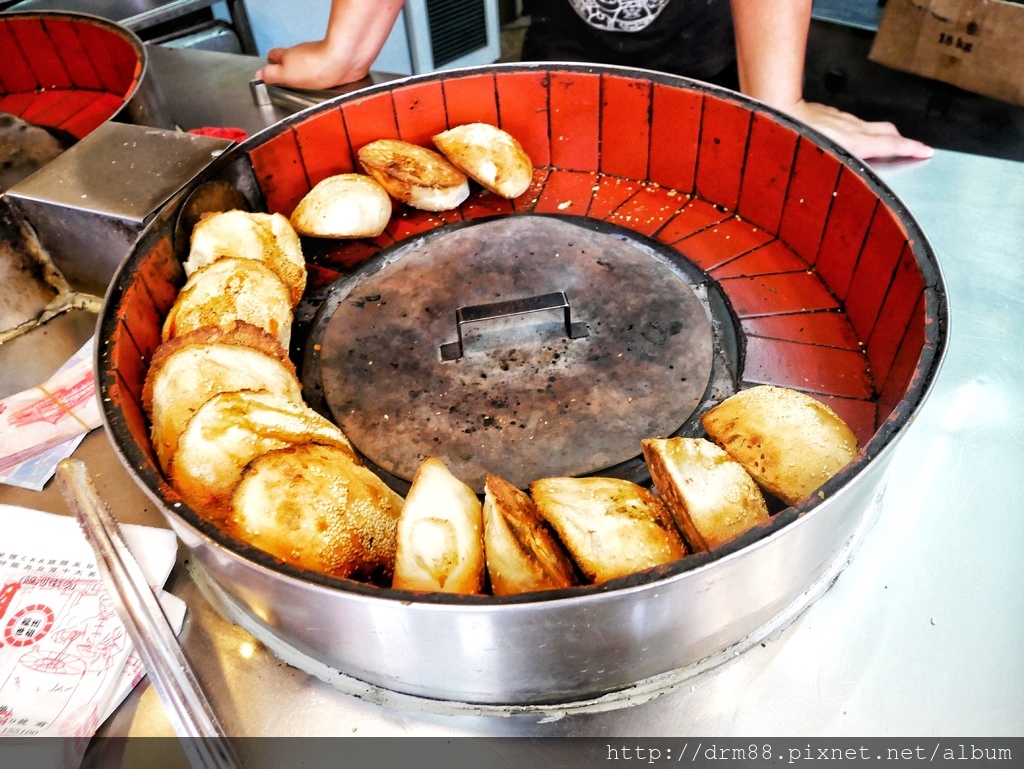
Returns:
(619,15)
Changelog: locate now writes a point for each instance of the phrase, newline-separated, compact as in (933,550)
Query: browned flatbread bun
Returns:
(417,176)
(312,506)
(489,156)
(190,369)
(711,497)
(440,534)
(231,289)
(267,238)
(611,527)
(522,552)
(229,431)
(788,441)
(343,206)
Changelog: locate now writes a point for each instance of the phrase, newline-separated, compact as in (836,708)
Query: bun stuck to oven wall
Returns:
(229,431)
(267,238)
(789,442)
(523,554)
(312,506)
(711,497)
(343,206)
(190,369)
(611,527)
(491,157)
(419,177)
(230,289)
(440,534)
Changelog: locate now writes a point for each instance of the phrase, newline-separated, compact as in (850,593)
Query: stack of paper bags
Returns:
(66,661)
(42,426)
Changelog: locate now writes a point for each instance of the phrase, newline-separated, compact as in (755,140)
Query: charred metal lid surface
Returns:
(526,347)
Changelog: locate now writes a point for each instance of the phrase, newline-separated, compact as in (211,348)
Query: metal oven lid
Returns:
(526,347)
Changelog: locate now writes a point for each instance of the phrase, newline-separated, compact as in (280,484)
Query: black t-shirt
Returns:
(685,37)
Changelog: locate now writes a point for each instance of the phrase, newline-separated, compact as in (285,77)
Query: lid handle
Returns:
(556,300)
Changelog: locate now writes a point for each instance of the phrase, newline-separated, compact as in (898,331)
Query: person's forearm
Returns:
(357,29)
(771,42)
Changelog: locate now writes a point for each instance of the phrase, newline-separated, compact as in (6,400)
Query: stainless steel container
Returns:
(78,77)
(831,285)
(82,70)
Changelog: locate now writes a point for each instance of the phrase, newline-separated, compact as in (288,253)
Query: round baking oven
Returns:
(793,262)
(69,72)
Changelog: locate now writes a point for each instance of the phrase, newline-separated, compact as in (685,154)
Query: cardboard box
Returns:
(977,45)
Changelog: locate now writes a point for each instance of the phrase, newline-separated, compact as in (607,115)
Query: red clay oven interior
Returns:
(66,71)
(831,283)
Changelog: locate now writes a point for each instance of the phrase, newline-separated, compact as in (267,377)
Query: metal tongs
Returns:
(203,738)
(294,99)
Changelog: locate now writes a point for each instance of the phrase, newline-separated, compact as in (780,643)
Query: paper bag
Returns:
(977,45)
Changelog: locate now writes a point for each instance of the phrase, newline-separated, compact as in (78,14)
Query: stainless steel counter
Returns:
(920,635)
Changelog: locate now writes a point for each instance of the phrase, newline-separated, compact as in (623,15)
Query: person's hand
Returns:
(864,139)
(311,65)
